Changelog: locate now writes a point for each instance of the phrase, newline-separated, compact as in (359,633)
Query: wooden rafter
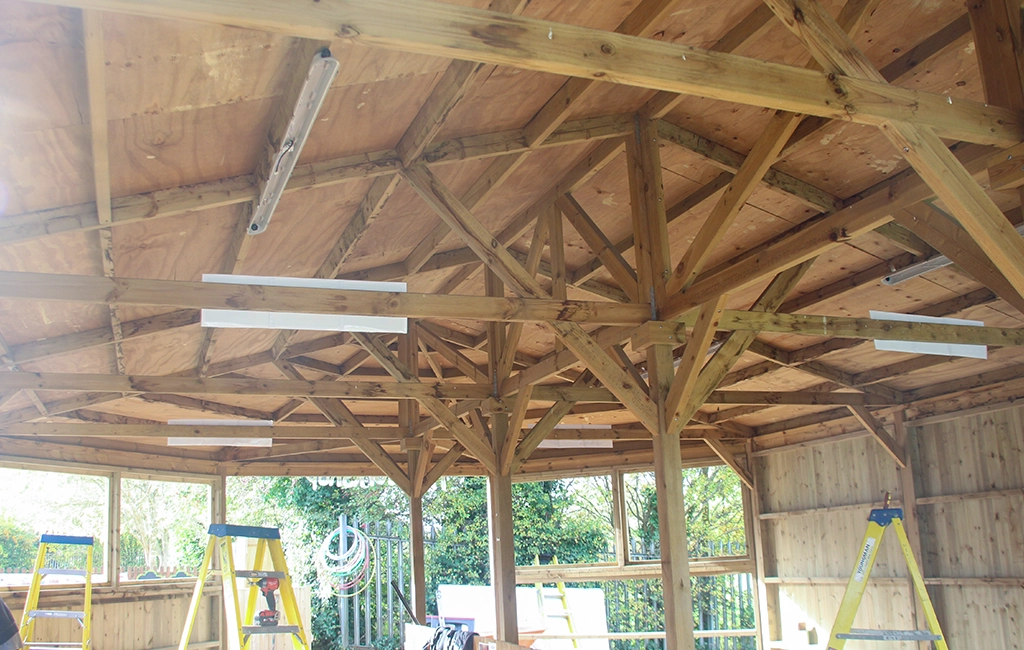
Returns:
(544,123)
(737,343)
(690,364)
(883,437)
(445,30)
(808,240)
(96,81)
(599,243)
(735,196)
(521,282)
(302,54)
(241,189)
(918,141)
(429,400)
(957,244)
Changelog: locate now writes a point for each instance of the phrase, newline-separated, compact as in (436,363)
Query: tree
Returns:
(166,519)
(17,545)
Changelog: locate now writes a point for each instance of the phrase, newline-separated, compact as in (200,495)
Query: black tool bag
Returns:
(449,637)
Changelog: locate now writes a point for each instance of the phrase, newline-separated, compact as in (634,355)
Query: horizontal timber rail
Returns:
(674,333)
(133,208)
(207,295)
(368,390)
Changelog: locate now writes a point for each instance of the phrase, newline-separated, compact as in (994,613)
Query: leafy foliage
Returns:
(17,545)
(164,522)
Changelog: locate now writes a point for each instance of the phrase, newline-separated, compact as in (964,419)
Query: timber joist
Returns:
(731,312)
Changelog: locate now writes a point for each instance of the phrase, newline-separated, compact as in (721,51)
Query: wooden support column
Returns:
(499,487)
(769,620)
(219,515)
(908,497)
(646,196)
(418,559)
(620,518)
(113,558)
(502,554)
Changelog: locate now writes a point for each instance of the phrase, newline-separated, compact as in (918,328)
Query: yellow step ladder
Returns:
(241,630)
(563,598)
(842,630)
(39,571)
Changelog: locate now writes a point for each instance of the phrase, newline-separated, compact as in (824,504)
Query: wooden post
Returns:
(646,197)
(114,530)
(769,619)
(416,552)
(908,496)
(502,554)
(749,522)
(219,515)
(620,519)
(499,489)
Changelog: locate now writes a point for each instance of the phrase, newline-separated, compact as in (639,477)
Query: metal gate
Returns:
(371,614)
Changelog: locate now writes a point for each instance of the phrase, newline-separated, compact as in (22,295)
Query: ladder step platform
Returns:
(889,635)
(56,613)
(74,540)
(260,574)
(249,630)
(249,532)
(61,572)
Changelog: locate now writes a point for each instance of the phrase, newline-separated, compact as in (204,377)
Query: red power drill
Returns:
(269,616)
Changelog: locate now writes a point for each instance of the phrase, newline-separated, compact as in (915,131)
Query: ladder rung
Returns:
(62,572)
(52,644)
(889,635)
(249,630)
(55,613)
(260,574)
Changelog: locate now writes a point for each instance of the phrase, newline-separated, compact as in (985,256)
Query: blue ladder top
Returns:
(65,539)
(254,532)
(884,516)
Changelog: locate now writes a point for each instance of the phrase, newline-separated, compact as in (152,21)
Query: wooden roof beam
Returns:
(539,129)
(429,400)
(241,189)
(445,30)
(915,138)
(96,83)
(750,29)
(674,333)
(865,212)
(959,246)
(202,295)
(726,356)
(762,156)
(478,239)
(956,33)
(303,51)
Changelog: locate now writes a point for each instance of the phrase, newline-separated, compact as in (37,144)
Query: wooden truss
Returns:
(656,347)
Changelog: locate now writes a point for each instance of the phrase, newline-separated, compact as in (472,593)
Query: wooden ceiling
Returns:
(135,132)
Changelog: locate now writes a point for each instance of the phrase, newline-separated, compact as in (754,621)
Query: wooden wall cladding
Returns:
(129,619)
(969,481)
